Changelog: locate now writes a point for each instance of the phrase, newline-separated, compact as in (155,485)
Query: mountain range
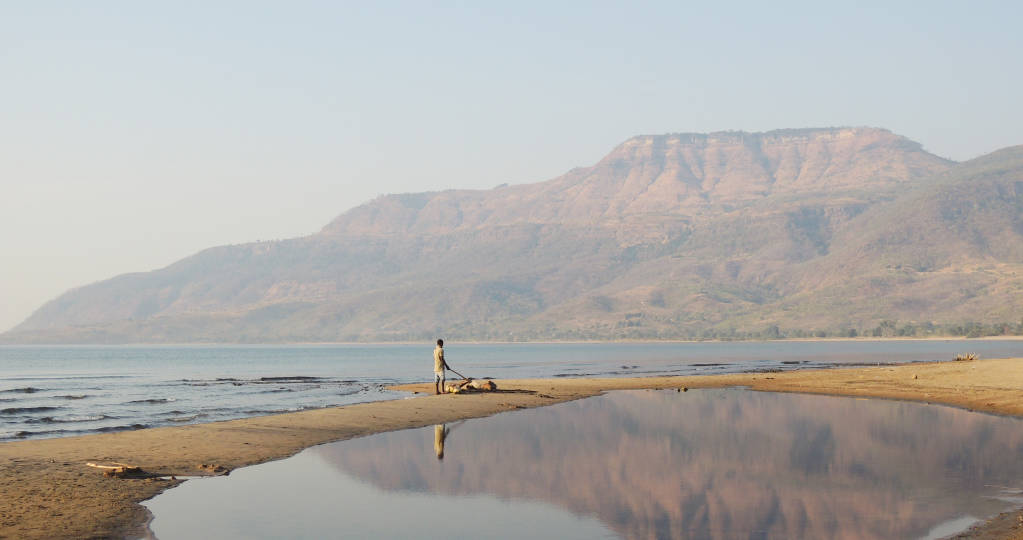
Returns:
(729,235)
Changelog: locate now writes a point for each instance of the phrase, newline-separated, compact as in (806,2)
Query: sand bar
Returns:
(47,491)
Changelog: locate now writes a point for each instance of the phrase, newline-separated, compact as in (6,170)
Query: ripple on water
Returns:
(29,410)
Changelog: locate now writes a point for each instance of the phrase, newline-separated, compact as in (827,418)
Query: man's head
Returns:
(440,342)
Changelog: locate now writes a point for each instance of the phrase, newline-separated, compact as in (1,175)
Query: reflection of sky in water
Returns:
(644,464)
(301,498)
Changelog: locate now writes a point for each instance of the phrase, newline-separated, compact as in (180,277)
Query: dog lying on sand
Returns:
(469,385)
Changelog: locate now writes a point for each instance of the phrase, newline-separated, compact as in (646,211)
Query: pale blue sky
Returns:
(133,134)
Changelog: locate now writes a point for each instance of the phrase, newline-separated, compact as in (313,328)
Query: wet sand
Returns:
(47,491)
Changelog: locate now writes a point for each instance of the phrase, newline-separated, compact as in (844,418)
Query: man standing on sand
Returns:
(439,365)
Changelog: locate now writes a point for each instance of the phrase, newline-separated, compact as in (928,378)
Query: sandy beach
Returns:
(47,491)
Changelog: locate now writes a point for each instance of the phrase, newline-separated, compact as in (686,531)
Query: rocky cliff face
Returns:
(665,176)
(679,235)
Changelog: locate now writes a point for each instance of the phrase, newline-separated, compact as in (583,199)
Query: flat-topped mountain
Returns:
(731,234)
(665,176)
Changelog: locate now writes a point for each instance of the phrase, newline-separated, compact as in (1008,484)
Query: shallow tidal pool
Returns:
(631,464)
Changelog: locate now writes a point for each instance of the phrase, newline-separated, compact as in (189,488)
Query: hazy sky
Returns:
(133,134)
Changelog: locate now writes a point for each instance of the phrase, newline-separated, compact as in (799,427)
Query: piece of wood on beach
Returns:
(117,469)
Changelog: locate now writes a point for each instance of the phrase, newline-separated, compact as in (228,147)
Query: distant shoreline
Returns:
(566,342)
(47,491)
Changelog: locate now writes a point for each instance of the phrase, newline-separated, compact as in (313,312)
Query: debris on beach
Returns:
(119,470)
(469,385)
(968,357)
(215,469)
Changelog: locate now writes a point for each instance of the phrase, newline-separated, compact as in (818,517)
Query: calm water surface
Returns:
(637,465)
(60,391)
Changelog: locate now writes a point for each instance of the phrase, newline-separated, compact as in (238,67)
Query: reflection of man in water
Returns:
(440,432)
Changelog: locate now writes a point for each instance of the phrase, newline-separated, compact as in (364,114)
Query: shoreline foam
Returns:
(46,491)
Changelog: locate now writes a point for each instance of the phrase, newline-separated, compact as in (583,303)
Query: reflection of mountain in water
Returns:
(718,464)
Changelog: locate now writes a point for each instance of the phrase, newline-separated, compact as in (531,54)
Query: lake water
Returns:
(638,464)
(60,391)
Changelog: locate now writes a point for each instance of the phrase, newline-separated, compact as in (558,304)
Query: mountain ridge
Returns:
(689,174)
(719,235)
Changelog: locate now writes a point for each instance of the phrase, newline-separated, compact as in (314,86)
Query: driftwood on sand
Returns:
(117,469)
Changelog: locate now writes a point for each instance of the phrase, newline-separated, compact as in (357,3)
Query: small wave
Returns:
(122,428)
(212,382)
(25,390)
(205,411)
(68,377)
(68,419)
(8,399)
(154,401)
(23,410)
(187,418)
(262,380)
(26,434)
(69,396)
(278,411)
(65,432)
